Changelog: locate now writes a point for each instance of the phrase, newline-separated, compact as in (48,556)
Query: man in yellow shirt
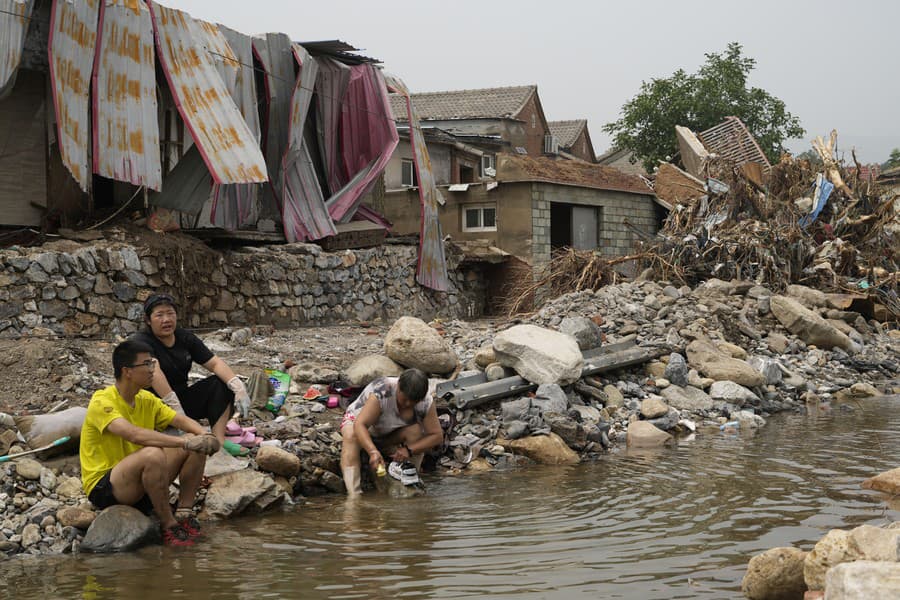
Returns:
(125,457)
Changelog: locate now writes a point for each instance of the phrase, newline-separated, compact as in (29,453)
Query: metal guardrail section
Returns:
(474,390)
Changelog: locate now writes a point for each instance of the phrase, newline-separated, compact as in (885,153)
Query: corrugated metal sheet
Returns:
(232,205)
(237,205)
(432,269)
(277,58)
(188,185)
(14,18)
(73,37)
(216,125)
(303,211)
(732,140)
(331,85)
(125,123)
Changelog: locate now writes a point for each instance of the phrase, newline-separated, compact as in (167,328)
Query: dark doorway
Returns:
(560,225)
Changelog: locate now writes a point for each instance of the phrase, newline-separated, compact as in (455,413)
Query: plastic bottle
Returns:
(730,425)
(381,471)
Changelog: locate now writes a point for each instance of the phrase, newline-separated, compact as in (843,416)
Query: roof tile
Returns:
(567,132)
(489,103)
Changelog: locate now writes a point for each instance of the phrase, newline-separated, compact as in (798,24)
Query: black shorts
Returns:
(102,496)
(206,399)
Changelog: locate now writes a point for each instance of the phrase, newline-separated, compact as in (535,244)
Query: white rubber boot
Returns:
(352,480)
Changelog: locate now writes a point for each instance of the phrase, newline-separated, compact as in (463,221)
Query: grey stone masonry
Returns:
(616,238)
(98,289)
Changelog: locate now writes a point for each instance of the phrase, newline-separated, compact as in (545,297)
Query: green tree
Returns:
(699,101)
(893,160)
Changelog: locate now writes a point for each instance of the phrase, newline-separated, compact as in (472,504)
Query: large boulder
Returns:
(642,434)
(278,461)
(776,574)
(370,367)
(888,482)
(831,550)
(539,355)
(412,343)
(807,296)
(809,326)
(120,528)
(544,449)
(231,494)
(863,580)
(687,398)
(676,370)
(709,361)
(587,333)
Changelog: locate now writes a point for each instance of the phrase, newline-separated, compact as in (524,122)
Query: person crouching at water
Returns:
(125,459)
(394,414)
(213,398)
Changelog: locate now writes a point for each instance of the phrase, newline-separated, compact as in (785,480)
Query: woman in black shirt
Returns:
(176,349)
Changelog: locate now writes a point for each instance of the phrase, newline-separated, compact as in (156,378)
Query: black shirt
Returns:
(176,361)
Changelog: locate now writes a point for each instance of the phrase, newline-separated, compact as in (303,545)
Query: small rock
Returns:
(72,516)
(676,370)
(278,461)
(28,468)
(544,449)
(31,535)
(70,488)
(48,479)
(653,407)
(642,434)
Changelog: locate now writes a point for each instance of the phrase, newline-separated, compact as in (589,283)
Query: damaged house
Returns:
(121,104)
(522,203)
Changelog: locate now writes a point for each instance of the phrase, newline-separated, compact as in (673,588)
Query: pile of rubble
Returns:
(814,223)
(635,363)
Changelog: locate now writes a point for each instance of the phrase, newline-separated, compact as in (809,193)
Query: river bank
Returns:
(712,328)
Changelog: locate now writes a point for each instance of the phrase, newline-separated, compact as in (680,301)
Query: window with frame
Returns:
(408,176)
(488,161)
(480,217)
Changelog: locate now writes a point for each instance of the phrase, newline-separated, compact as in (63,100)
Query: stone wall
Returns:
(68,288)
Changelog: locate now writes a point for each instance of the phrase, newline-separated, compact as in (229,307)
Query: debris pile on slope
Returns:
(796,222)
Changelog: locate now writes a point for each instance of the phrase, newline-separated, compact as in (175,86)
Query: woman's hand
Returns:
(375,459)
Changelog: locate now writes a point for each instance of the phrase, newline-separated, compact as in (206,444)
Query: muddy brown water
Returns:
(675,523)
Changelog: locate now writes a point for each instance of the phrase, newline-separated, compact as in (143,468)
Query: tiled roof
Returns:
(490,103)
(567,131)
(512,167)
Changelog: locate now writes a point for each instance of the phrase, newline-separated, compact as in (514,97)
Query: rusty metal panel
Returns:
(273,50)
(73,37)
(14,18)
(125,123)
(303,211)
(216,125)
(432,269)
(219,52)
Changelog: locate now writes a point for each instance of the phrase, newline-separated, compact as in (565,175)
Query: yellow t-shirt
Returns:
(101,450)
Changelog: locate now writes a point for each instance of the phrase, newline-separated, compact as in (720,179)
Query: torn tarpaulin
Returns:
(432,271)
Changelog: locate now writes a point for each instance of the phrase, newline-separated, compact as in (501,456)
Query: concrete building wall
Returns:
(616,238)
(534,128)
(441,164)
(513,203)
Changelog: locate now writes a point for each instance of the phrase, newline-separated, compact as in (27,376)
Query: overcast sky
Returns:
(833,63)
